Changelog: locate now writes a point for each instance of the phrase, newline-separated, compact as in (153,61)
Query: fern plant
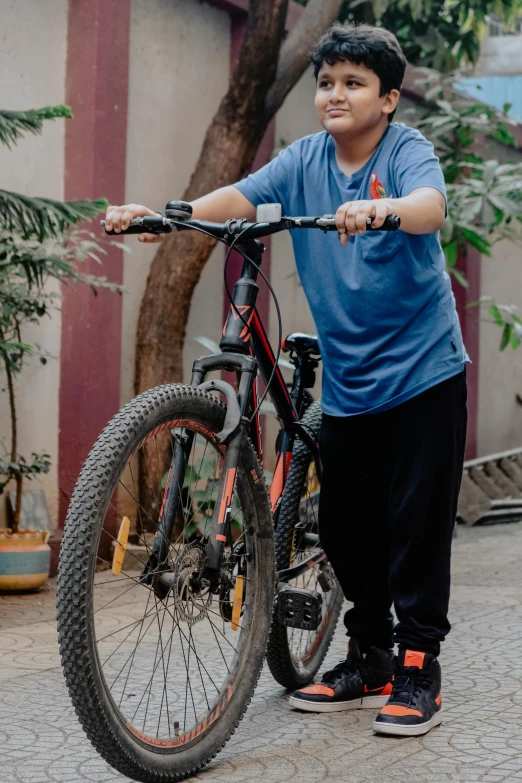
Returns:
(39,242)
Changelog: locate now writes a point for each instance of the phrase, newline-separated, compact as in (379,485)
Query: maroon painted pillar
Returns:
(95,151)
(469,322)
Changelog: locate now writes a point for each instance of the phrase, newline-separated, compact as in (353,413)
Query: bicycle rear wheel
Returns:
(293,655)
(159,683)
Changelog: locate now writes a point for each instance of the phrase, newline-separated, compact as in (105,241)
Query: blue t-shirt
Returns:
(383,306)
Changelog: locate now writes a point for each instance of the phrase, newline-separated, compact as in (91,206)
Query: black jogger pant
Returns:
(387,512)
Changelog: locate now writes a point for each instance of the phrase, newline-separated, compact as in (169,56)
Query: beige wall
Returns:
(173,96)
(500,55)
(32,75)
(500,374)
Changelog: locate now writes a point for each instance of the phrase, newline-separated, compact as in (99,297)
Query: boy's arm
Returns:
(223,204)
(218,206)
(421,212)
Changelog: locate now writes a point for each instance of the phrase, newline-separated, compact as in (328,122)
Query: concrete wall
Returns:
(500,374)
(499,56)
(173,96)
(32,75)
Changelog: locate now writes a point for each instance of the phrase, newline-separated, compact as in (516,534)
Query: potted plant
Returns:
(38,242)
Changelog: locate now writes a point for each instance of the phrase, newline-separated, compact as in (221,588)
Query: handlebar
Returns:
(233,227)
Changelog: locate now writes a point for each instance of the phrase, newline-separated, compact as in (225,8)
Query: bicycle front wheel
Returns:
(160,681)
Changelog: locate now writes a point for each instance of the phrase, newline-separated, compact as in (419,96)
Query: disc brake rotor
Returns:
(191,597)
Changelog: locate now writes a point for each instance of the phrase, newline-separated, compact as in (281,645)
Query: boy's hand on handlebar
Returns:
(351,217)
(118,219)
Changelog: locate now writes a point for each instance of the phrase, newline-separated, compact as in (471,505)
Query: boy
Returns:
(394,387)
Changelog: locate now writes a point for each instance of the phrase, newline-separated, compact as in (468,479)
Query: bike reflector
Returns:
(121,546)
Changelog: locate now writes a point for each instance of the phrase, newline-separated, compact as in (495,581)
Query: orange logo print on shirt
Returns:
(376,188)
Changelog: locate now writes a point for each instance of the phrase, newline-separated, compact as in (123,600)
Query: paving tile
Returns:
(480,740)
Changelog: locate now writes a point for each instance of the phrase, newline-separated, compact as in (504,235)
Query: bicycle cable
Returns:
(239,315)
(276,303)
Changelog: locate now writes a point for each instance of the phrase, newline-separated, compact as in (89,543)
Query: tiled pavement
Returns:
(480,739)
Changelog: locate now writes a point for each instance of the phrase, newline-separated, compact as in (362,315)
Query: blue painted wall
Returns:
(496,91)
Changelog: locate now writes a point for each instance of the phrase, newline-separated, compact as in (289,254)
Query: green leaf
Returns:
(496,315)
(13,124)
(451,252)
(191,476)
(190,529)
(506,335)
(200,495)
(206,467)
(203,526)
(517,328)
(474,239)
(44,218)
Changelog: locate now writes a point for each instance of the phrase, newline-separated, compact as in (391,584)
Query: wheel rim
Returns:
(169,664)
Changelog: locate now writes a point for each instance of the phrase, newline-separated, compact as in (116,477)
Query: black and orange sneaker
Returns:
(354,683)
(415,704)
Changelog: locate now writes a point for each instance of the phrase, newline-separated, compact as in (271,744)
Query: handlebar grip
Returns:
(327,222)
(391,223)
(130,230)
(146,225)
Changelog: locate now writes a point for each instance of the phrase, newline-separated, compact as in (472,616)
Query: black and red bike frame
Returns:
(244,337)
(245,350)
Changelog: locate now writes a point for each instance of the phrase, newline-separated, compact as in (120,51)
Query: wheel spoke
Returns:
(173,655)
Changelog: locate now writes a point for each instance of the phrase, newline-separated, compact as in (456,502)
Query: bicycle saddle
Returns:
(301,343)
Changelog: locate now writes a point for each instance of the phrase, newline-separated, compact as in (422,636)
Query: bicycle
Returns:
(169,562)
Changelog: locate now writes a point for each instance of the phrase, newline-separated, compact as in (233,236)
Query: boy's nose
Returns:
(337,95)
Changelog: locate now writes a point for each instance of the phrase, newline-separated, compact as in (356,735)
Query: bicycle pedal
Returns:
(297,608)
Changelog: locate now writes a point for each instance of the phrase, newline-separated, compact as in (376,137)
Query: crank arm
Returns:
(286,574)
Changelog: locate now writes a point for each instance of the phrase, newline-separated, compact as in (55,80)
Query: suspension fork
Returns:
(170,504)
(220,528)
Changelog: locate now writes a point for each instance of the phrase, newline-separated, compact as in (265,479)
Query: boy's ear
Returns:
(391,101)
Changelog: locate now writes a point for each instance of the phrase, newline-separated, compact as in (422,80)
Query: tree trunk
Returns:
(265,73)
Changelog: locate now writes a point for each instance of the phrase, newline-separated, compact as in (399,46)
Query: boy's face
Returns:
(347,98)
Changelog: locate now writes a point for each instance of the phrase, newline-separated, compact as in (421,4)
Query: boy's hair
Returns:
(374,47)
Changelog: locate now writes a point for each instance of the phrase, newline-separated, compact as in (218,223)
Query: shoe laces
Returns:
(343,668)
(409,684)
